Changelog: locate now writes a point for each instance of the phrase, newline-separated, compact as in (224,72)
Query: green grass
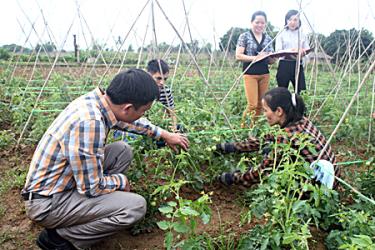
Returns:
(202,117)
(12,179)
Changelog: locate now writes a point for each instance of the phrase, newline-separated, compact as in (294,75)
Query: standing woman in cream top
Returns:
(288,40)
(252,45)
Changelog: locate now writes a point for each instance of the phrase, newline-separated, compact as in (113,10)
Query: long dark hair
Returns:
(294,107)
(288,15)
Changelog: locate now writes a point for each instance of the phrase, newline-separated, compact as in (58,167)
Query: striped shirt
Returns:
(166,97)
(300,133)
(70,154)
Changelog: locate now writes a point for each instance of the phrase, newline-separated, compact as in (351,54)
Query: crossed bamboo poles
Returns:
(183,45)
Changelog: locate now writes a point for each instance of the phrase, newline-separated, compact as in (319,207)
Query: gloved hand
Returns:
(160,143)
(224,148)
(266,150)
(180,128)
(226,179)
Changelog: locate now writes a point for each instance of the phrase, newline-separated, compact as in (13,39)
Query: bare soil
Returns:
(18,232)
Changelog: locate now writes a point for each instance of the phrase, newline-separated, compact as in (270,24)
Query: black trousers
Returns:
(286,72)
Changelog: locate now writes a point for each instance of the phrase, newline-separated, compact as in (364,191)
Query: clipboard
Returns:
(281,53)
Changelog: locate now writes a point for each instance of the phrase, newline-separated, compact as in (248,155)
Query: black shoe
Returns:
(49,240)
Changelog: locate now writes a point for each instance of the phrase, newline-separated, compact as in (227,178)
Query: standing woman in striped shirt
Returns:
(290,39)
(252,45)
(286,110)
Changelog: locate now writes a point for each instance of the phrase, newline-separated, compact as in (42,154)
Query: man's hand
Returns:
(174,139)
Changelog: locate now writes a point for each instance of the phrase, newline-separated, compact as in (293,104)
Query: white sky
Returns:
(208,19)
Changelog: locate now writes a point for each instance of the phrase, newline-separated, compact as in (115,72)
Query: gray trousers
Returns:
(84,221)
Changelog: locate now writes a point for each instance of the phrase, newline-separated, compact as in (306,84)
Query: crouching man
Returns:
(75,186)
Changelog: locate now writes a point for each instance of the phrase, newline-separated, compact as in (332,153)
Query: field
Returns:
(187,208)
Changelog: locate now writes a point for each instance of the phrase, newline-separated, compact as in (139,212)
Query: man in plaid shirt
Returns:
(75,186)
(280,108)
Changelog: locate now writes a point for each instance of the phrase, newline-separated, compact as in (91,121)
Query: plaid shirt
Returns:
(296,135)
(71,153)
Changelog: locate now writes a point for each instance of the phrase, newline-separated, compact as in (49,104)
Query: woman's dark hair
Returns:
(281,97)
(258,13)
(288,15)
(133,86)
(153,66)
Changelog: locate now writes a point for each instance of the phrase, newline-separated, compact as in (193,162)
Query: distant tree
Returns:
(48,47)
(143,49)
(130,48)
(321,39)
(16,48)
(193,46)
(4,54)
(207,48)
(338,41)
(163,46)
(97,46)
(271,30)
(224,40)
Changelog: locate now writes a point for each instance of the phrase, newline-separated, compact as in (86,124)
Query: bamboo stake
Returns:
(44,85)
